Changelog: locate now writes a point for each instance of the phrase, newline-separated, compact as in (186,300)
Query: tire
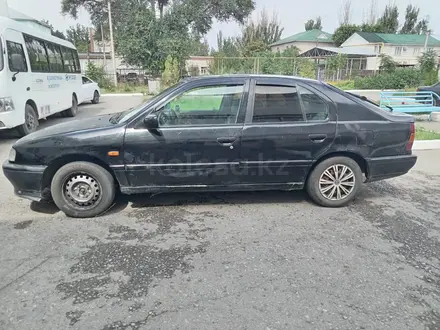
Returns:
(96,182)
(95,99)
(73,109)
(330,197)
(30,121)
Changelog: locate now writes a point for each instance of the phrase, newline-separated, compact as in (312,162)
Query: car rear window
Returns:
(353,107)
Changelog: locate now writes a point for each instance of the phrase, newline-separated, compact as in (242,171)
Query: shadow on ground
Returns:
(181,199)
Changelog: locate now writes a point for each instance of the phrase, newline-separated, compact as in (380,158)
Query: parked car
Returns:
(433,88)
(90,90)
(229,133)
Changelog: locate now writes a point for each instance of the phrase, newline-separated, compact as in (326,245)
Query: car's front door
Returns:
(289,126)
(198,140)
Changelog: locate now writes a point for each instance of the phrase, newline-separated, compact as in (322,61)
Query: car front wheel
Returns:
(95,99)
(83,189)
(334,182)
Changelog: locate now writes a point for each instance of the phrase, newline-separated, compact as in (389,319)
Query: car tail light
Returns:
(412,136)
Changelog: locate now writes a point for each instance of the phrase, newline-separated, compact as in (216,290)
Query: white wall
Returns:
(303,46)
(354,40)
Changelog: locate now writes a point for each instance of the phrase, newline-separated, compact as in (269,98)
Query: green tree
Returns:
(387,64)
(421,27)
(227,47)
(411,16)
(337,62)
(307,68)
(171,73)
(55,33)
(79,36)
(312,24)
(428,67)
(199,46)
(199,14)
(344,32)
(260,34)
(389,21)
(145,40)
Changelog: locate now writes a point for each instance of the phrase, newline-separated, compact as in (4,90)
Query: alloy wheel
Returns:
(337,182)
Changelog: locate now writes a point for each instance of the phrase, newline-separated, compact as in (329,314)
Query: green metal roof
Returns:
(399,39)
(311,36)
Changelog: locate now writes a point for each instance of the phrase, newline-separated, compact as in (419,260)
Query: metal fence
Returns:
(296,66)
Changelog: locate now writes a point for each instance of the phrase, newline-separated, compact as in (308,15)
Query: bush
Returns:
(98,74)
(400,79)
(343,84)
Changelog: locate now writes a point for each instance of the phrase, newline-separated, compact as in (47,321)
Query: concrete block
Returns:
(435,116)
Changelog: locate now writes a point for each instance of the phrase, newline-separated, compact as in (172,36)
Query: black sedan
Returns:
(433,88)
(218,133)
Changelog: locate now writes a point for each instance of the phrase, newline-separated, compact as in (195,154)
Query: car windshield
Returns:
(126,115)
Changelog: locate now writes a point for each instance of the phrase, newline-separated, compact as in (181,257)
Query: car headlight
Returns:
(12,155)
(6,104)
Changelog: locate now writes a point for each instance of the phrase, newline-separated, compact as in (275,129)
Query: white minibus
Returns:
(40,75)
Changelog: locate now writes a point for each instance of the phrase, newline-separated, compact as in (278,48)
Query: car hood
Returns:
(80,125)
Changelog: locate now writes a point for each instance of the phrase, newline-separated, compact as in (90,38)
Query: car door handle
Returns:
(317,138)
(226,141)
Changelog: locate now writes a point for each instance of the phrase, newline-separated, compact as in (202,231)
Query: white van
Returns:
(40,75)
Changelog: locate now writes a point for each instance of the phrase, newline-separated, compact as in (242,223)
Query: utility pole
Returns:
(112,45)
(103,47)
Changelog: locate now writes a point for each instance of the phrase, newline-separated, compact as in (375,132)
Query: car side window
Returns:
(211,105)
(314,107)
(277,104)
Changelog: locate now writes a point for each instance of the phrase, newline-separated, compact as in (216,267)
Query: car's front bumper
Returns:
(26,179)
(389,167)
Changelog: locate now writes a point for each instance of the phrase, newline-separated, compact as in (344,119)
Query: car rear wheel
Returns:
(73,109)
(95,99)
(83,189)
(334,182)
(30,121)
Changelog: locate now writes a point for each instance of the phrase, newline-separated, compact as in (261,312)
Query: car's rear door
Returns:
(288,126)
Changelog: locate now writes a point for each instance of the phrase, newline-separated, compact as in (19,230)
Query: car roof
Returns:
(209,77)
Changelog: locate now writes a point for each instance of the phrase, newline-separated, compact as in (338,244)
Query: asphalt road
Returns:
(270,260)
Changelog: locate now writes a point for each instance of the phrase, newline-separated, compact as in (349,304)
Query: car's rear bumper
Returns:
(26,179)
(389,167)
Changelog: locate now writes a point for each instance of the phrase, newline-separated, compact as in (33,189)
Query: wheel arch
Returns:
(59,162)
(349,154)
(33,105)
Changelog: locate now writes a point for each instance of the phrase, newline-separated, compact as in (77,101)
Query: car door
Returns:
(198,140)
(87,86)
(287,127)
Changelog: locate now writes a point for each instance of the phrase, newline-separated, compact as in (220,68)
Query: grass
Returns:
(424,134)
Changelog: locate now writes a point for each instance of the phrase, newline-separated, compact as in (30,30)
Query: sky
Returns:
(291,13)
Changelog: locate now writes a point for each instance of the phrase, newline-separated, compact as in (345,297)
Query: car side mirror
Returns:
(151,121)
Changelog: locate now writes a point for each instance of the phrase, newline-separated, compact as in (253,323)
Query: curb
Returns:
(426,145)
(122,94)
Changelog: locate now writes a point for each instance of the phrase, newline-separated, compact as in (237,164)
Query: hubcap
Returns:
(82,190)
(337,182)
